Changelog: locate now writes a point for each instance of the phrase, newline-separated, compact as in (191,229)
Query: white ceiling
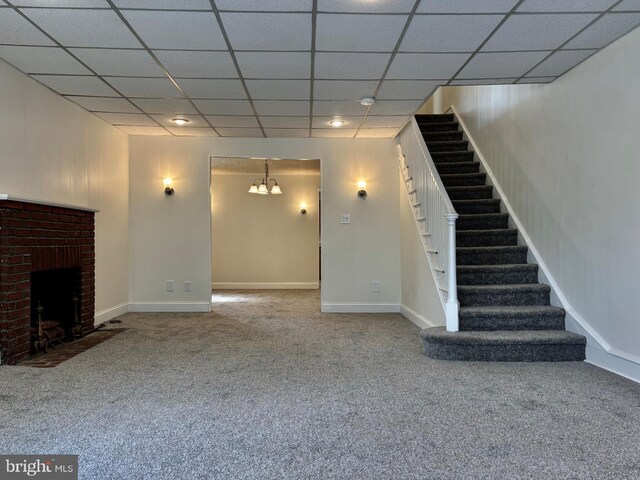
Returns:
(285,68)
(234,165)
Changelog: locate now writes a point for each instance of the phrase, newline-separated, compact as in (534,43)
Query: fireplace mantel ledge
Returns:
(6,196)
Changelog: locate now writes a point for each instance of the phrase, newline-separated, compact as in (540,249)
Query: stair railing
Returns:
(435,215)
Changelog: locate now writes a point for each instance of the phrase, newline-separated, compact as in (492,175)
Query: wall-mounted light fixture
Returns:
(303,208)
(168,189)
(362,189)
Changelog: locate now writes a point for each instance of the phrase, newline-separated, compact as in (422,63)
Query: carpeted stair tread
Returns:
(463,179)
(501,237)
(457,167)
(439,127)
(459,156)
(494,255)
(530,317)
(497,274)
(441,136)
(469,192)
(482,221)
(481,205)
(434,118)
(448,146)
(500,337)
(505,295)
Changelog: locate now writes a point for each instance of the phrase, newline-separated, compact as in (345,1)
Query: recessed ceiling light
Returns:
(367,101)
(337,123)
(180,121)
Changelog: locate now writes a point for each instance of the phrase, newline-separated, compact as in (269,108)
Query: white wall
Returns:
(170,235)
(566,156)
(263,241)
(54,151)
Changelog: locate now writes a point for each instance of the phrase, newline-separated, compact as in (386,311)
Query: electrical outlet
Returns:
(187,286)
(170,285)
(345,218)
(375,286)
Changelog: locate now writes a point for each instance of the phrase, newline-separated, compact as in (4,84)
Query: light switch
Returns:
(345,218)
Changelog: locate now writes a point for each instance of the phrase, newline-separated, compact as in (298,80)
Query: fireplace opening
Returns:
(55,307)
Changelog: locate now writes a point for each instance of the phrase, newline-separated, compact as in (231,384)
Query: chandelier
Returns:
(263,188)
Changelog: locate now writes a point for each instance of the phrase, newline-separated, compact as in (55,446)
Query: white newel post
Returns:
(452,305)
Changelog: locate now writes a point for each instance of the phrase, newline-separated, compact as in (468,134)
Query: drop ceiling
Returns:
(285,68)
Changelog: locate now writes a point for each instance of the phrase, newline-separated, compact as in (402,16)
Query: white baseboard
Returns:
(266,286)
(360,308)
(170,307)
(617,365)
(107,314)
(415,318)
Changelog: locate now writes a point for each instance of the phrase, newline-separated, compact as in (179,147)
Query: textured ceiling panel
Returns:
(279,90)
(290,108)
(164,105)
(42,60)
(105,104)
(426,65)
(343,89)
(359,33)
(187,64)
(232,121)
(266,5)
(18,31)
(366,6)
(269,31)
(466,6)
(145,87)
(274,64)
(213,89)
(565,5)
(560,62)
(500,65)
(357,66)
(605,30)
(165,4)
(285,122)
(109,62)
(407,89)
(77,85)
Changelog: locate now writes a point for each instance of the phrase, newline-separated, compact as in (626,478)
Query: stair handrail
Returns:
(440,216)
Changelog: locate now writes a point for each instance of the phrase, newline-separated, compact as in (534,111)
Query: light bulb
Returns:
(337,123)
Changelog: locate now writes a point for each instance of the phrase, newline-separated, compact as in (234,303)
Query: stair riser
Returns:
(470,193)
(450,147)
(472,180)
(441,136)
(492,258)
(531,322)
(500,276)
(452,157)
(422,119)
(472,167)
(494,240)
(495,222)
(439,127)
(510,298)
(505,353)
(483,207)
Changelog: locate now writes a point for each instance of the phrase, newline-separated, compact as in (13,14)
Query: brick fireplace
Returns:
(37,240)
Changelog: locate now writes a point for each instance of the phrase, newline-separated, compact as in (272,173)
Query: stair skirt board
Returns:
(505,314)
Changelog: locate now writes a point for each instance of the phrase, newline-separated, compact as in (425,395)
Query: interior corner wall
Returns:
(565,155)
(54,151)
(263,241)
(170,236)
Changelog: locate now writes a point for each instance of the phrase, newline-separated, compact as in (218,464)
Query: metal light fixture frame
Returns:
(265,181)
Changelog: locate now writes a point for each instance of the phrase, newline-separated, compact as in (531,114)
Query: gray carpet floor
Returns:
(268,387)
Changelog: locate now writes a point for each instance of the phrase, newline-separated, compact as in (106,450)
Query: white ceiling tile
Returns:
(343,89)
(165,4)
(377,133)
(134,63)
(500,65)
(323,122)
(285,122)
(139,119)
(197,64)
(71,85)
(274,64)
(560,62)
(103,104)
(240,132)
(145,87)
(192,131)
(536,80)
(366,6)
(164,105)
(387,121)
(42,60)
(605,30)
(61,3)
(293,108)
(177,30)
(628,5)
(279,89)
(537,31)
(426,65)
(565,5)
(154,131)
(15,30)
(358,33)
(266,5)
(166,120)
(333,132)
(395,107)
(486,81)
(224,107)
(287,132)
(432,33)
(214,89)
(466,6)
(268,31)
(83,28)
(331,107)
(356,66)
(407,89)
(232,121)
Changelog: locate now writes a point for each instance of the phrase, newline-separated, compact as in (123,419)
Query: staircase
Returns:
(505,314)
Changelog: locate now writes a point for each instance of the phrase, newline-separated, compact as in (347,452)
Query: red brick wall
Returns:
(39,237)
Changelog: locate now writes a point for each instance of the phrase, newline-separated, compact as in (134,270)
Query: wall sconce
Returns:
(303,208)
(168,189)
(362,189)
